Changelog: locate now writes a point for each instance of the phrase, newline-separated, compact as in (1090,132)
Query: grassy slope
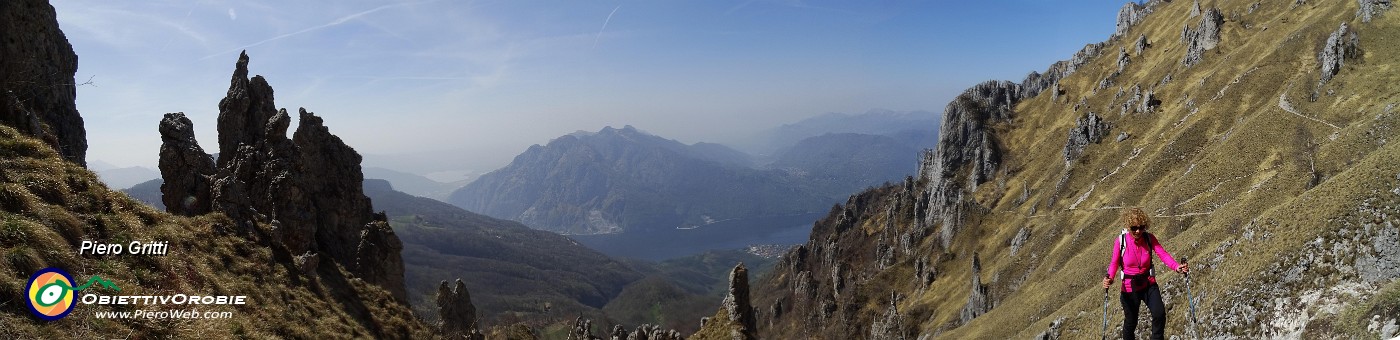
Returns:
(1204,175)
(48,206)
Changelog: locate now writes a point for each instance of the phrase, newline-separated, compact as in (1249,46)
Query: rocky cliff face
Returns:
(1002,225)
(37,89)
(308,187)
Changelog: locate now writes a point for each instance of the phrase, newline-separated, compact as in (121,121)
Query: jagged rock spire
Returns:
(737,305)
(456,314)
(978,302)
(309,187)
(185,167)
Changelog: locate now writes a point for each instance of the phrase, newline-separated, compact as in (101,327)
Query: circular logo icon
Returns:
(50,293)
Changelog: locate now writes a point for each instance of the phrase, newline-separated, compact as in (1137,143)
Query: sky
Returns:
(431,86)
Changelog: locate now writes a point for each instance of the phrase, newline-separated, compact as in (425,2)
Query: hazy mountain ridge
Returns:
(622,179)
(126,177)
(873,122)
(839,163)
(1200,113)
(414,184)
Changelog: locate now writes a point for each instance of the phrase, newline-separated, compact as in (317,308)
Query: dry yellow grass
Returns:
(49,206)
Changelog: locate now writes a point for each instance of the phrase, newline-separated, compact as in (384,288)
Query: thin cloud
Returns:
(336,22)
(605,26)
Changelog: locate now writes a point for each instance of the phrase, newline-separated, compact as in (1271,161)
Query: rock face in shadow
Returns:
(456,314)
(37,89)
(308,187)
(187,169)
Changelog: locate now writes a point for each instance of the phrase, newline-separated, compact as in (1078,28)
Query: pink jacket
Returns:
(1135,259)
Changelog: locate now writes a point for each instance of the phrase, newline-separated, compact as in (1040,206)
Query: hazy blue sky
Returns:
(476,82)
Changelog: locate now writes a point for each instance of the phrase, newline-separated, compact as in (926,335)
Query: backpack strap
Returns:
(1123,248)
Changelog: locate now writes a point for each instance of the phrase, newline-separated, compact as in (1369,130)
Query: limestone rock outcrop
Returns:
(1204,37)
(37,89)
(1370,9)
(978,302)
(583,330)
(891,326)
(378,258)
(308,187)
(185,167)
(1089,129)
(1342,45)
(456,314)
(1141,44)
(1130,15)
(653,332)
(737,305)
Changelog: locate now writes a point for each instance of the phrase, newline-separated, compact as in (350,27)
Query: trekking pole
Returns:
(1191,303)
(1105,314)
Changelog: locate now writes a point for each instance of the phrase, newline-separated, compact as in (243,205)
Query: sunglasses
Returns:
(1137,228)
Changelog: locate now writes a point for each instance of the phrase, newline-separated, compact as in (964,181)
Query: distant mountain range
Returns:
(414,184)
(844,163)
(624,179)
(873,122)
(126,177)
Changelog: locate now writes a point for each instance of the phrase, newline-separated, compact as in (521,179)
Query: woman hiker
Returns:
(1134,259)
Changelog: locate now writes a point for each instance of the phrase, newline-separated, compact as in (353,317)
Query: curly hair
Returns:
(1135,216)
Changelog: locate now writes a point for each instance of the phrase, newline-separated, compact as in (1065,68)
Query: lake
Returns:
(657,245)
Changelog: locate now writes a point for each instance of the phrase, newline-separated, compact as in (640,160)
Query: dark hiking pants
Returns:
(1153,296)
